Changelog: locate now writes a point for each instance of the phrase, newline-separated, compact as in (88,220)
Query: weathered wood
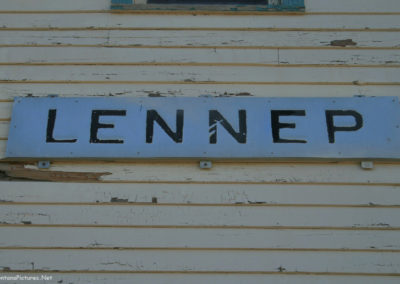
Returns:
(19,172)
(211,261)
(216,194)
(66,237)
(51,5)
(2,148)
(311,5)
(184,278)
(4,127)
(249,172)
(9,91)
(210,56)
(362,23)
(337,56)
(351,6)
(245,172)
(189,215)
(355,210)
(5,114)
(199,74)
(199,38)
(121,55)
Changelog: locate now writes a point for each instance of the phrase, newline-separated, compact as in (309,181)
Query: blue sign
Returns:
(205,127)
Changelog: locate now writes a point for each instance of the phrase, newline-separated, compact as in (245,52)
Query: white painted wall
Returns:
(171,222)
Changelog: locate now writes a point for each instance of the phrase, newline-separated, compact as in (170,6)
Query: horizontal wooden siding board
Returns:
(200,194)
(311,5)
(153,215)
(233,172)
(351,6)
(4,127)
(51,5)
(9,91)
(25,237)
(184,278)
(365,23)
(202,74)
(160,55)
(202,38)
(119,260)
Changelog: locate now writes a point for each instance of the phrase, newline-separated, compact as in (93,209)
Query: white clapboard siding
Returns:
(9,91)
(5,114)
(170,221)
(206,216)
(202,74)
(206,261)
(3,148)
(107,21)
(91,55)
(188,38)
(352,6)
(124,55)
(201,278)
(4,127)
(213,194)
(53,5)
(197,238)
(311,5)
(231,172)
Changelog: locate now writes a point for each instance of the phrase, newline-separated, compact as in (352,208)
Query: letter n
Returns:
(152,115)
(215,117)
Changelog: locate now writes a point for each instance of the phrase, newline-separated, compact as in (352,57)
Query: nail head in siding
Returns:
(367,165)
(205,164)
(43,164)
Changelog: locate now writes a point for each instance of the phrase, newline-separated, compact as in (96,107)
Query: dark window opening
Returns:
(210,2)
(210,5)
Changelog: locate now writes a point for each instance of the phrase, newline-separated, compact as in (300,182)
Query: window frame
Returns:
(275,6)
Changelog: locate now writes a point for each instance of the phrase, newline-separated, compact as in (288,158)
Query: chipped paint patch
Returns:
(343,43)
(18,172)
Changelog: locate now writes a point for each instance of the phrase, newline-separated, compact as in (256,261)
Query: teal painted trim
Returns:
(292,3)
(120,4)
(123,2)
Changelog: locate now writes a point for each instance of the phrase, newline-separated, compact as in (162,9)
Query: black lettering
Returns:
(276,125)
(215,117)
(51,121)
(331,126)
(152,115)
(96,125)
